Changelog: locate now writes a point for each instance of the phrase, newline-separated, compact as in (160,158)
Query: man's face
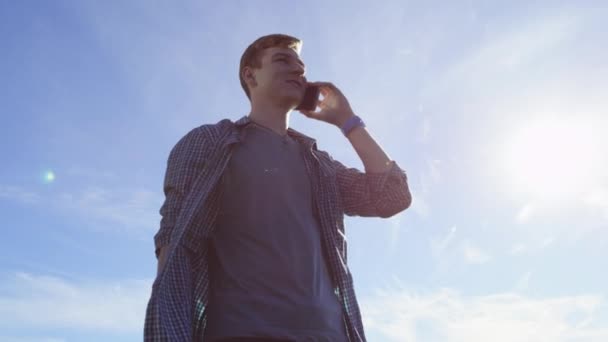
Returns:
(281,77)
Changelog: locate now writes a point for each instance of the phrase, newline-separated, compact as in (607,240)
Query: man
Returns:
(252,245)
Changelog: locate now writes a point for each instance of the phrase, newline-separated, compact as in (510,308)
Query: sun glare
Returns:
(49,176)
(552,159)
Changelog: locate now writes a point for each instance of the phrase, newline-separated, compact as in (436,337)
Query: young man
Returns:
(252,245)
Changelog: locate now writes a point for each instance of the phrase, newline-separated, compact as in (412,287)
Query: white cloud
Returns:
(446,315)
(473,254)
(33,301)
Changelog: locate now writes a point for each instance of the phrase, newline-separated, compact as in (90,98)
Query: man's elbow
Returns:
(395,205)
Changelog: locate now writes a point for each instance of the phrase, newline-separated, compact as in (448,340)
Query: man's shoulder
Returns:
(211,132)
(326,162)
(205,135)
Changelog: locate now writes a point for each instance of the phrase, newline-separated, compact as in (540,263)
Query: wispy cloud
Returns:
(521,248)
(546,242)
(517,47)
(429,176)
(524,213)
(420,204)
(473,254)
(446,315)
(424,130)
(439,245)
(35,301)
(524,282)
(517,249)
(598,199)
(133,209)
(30,339)
(15,193)
(89,173)
(130,208)
(394,231)
(434,170)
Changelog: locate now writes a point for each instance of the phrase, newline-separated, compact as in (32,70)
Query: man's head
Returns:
(269,67)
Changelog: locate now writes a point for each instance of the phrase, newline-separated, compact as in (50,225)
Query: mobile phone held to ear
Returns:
(310,99)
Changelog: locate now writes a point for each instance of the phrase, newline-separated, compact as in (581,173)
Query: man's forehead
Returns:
(273,51)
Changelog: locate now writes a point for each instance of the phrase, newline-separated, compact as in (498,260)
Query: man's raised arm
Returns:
(382,190)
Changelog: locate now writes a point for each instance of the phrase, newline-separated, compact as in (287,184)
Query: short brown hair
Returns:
(252,57)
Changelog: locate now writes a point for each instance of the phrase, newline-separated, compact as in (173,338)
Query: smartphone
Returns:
(310,99)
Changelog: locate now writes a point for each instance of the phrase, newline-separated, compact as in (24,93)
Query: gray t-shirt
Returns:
(268,272)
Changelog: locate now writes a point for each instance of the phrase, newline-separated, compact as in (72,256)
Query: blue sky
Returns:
(496,111)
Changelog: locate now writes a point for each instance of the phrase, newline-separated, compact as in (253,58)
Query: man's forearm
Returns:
(373,157)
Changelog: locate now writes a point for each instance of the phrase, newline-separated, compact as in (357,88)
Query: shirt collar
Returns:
(300,137)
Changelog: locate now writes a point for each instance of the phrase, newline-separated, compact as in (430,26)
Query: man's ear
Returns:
(249,76)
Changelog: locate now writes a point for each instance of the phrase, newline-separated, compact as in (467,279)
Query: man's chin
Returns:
(290,101)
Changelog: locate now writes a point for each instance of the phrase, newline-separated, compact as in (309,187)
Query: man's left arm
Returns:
(373,157)
(370,194)
(383,185)
(382,190)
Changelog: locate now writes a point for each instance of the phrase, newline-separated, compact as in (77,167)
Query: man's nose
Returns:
(299,70)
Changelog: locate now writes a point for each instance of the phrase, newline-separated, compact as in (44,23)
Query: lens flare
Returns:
(49,176)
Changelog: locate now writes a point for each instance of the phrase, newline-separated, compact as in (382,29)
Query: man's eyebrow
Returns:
(283,54)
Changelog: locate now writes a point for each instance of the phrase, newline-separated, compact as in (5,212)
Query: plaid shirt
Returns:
(176,309)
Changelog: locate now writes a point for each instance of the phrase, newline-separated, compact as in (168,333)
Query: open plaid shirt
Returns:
(176,309)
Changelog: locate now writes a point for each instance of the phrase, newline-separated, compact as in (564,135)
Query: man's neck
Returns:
(276,119)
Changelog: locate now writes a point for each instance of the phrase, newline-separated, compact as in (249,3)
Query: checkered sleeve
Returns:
(371,194)
(185,160)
